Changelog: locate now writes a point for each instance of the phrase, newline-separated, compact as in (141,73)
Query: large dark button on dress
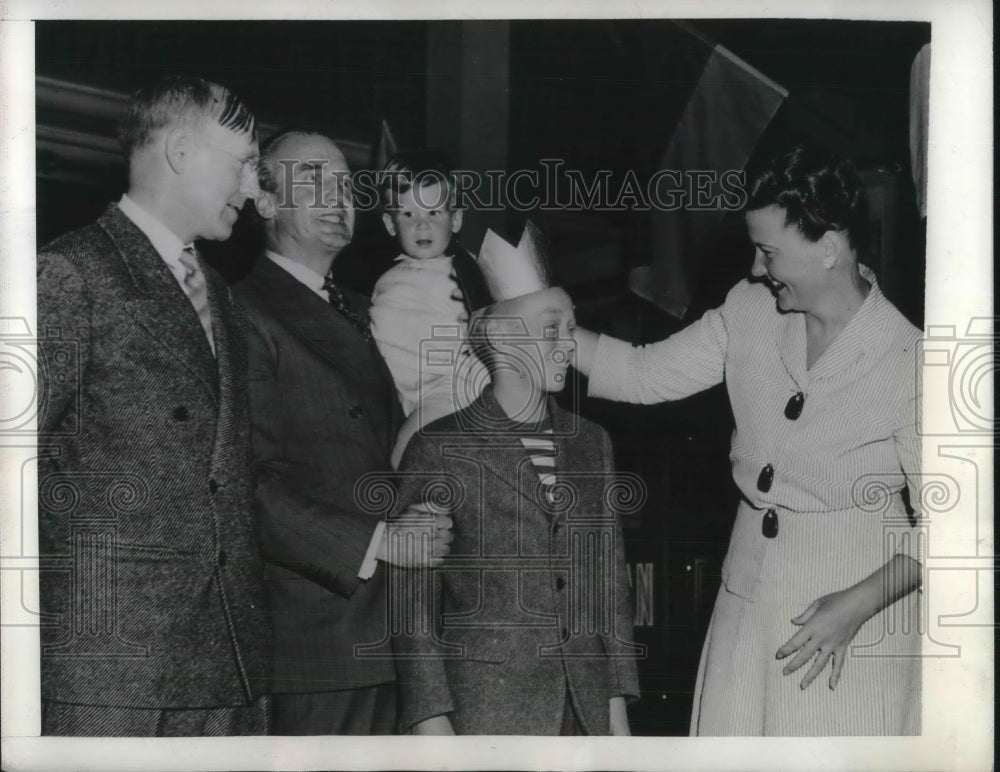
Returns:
(765,478)
(769,525)
(794,407)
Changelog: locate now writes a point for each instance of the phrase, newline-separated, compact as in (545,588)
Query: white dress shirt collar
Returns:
(300,272)
(164,240)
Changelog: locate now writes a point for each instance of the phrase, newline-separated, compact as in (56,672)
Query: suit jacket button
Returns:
(223,558)
(213,486)
(181,413)
(560,583)
(356,412)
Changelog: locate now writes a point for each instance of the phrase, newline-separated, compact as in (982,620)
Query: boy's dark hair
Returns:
(419,169)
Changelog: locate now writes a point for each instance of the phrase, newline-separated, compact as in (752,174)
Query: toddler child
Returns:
(414,313)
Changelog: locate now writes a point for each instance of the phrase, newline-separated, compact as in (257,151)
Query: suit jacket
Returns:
(324,413)
(507,629)
(151,587)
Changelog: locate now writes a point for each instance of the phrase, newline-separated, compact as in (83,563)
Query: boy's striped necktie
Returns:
(541,448)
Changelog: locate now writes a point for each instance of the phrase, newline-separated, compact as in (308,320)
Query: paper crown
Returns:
(511,272)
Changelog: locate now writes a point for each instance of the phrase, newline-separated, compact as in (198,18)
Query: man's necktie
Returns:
(338,301)
(197,291)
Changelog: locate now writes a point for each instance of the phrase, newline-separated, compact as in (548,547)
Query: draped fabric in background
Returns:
(920,84)
(731,105)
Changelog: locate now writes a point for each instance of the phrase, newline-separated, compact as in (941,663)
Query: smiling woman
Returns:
(808,222)
(824,398)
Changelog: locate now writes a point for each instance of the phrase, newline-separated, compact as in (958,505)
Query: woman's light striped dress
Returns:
(822,508)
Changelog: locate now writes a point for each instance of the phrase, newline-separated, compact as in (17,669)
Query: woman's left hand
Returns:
(828,627)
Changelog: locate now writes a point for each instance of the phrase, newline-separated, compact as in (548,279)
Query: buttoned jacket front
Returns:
(835,472)
(151,576)
(533,598)
(324,413)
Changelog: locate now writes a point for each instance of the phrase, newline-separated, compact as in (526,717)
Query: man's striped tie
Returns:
(197,291)
(338,301)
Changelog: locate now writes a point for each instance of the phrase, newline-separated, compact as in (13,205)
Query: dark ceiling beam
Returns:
(75,132)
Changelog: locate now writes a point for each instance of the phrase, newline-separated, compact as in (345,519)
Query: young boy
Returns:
(414,316)
(527,626)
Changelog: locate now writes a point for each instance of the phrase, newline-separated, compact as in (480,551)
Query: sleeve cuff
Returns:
(369,564)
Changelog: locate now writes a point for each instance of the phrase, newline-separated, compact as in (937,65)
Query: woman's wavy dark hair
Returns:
(819,192)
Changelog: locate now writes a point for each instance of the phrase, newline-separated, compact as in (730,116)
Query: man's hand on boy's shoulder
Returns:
(419,537)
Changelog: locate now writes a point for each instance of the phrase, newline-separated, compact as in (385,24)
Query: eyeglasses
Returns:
(247,165)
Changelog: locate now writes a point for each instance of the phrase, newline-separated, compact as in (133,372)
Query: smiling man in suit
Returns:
(325,415)
(155,620)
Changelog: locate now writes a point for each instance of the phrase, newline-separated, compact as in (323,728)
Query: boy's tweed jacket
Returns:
(508,606)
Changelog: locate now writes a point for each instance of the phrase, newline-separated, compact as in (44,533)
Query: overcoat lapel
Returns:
(159,304)
(230,355)
(322,330)
(304,314)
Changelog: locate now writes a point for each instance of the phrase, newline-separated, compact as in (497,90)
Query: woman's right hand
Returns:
(435,725)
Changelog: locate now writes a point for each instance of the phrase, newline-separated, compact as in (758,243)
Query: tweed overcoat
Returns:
(325,413)
(533,599)
(151,587)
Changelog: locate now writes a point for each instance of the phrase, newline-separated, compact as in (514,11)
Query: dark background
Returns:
(602,94)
